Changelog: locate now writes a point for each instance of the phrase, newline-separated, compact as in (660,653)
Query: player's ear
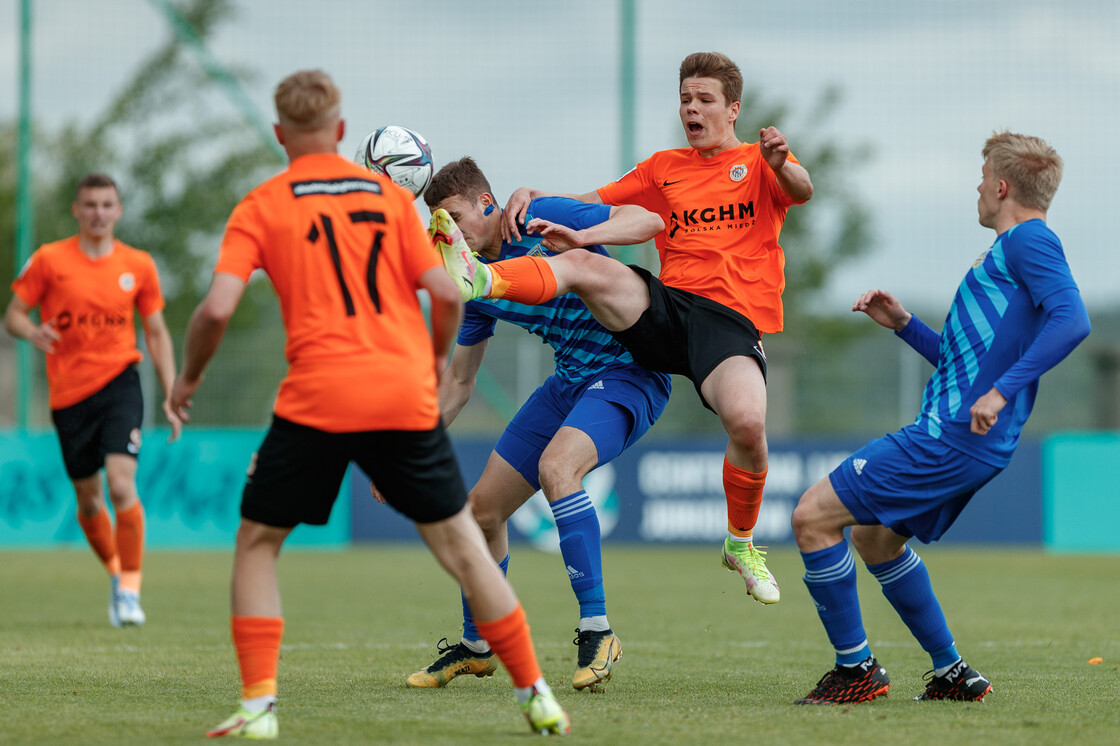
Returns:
(279,132)
(341,129)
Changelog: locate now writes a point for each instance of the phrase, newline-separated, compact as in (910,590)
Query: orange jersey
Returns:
(90,303)
(723,216)
(344,249)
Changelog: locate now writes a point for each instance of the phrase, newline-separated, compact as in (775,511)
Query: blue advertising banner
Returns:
(672,492)
(191,490)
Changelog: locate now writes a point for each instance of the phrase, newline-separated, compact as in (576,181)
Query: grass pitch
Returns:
(702,662)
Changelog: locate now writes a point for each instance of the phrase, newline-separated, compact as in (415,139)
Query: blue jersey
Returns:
(996,316)
(584,349)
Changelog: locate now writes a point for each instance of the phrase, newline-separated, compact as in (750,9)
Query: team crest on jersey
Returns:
(127,281)
(738,172)
(979,260)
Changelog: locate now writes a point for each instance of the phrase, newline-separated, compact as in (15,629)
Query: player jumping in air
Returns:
(720,284)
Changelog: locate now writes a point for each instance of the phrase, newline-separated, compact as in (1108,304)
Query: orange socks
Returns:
(130,545)
(99,533)
(509,639)
(744,498)
(524,279)
(257,641)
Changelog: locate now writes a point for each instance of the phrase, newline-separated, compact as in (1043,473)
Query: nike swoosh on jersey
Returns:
(666,182)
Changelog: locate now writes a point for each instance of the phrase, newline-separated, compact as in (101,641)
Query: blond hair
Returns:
(1030,166)
(307,100)
(714,65)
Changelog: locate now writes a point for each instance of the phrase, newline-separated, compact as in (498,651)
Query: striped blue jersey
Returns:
(995,317)
(584,349)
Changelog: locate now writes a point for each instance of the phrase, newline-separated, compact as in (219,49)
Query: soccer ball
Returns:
(399,153)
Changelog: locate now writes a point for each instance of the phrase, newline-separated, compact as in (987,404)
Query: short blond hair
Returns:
(307,100)
(1030,166)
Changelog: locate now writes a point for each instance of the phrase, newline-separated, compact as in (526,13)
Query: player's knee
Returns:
(585,271)
(747,429)
(488,518)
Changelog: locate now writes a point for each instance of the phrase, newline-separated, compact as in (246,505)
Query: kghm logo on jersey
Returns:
(721,217)
(738,172)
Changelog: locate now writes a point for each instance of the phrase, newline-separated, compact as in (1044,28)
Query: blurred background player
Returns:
(346,254)
(597,404)
(724,203)
(1016,314)
(86,288)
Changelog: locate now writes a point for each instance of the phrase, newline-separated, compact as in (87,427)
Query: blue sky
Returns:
(531,91)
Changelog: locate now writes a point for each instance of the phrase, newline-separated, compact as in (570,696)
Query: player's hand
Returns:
(179,401)
(884,308)
(555,237)
(45,336)
(174,419)
(774,147)
(986,410)
(376,493)
(516,209)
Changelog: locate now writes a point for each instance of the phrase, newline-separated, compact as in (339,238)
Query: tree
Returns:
(183,158)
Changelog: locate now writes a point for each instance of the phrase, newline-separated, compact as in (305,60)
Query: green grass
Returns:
(702,664)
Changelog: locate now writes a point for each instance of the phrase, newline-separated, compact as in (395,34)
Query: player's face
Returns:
(708,120)
(481,232)
(97,210)
(988,204)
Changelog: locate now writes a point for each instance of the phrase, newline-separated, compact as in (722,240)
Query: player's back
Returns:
(344,250)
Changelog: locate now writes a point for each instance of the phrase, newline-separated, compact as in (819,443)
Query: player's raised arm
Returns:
(627,224)
(517,207)
(883,308)
(792,177)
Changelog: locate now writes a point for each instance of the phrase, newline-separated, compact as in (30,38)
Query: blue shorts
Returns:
(909,482)
(614,410)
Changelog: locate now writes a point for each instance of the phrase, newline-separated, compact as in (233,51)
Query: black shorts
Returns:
(299,469)
(687,334)
(106,422)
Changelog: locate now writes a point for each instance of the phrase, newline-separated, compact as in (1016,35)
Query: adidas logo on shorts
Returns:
(858,464)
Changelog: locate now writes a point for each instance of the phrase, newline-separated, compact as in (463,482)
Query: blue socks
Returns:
(906,585)
(578,526)
(830,576)
(470,631)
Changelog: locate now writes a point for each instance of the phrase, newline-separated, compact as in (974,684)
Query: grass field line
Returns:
(37,650)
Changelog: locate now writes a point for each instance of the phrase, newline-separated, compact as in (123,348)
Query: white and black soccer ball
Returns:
(399,153)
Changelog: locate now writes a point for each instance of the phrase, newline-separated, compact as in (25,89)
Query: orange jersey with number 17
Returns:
(344,250)
(723,216)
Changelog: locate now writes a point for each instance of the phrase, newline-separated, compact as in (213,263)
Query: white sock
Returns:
(740,539)
(489,284)
(594,624)
(945,670)
(258,704)
(523,694)
(476,646)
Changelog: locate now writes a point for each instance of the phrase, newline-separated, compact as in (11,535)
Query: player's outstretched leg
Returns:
(453,661)
(749,561)
(961,683)
(459,260)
